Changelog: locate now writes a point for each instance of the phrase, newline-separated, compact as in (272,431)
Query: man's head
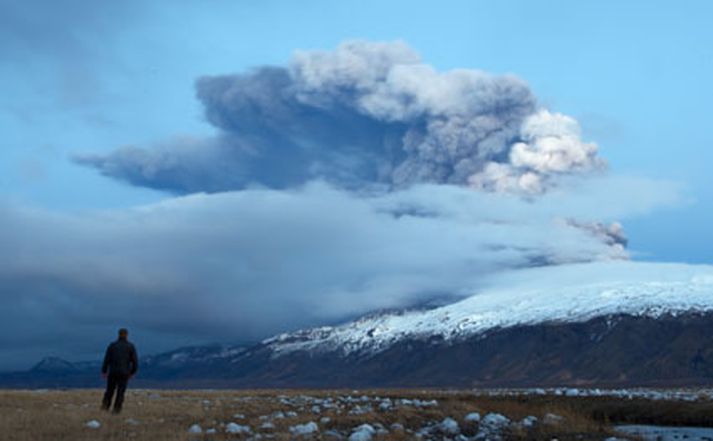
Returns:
(123,333)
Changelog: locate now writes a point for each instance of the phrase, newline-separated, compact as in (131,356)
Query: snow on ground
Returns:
(566,293)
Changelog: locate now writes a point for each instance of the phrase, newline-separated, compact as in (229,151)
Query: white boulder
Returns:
(93,424)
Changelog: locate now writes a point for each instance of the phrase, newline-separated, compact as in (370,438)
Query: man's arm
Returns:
(107,360)
(134,361)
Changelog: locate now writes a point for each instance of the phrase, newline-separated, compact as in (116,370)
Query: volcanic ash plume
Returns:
(366,115)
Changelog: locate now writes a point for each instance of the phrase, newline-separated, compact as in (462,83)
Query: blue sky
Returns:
(635,74)
(90,77)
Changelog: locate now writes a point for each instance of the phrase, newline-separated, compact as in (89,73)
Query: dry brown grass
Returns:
(167,415)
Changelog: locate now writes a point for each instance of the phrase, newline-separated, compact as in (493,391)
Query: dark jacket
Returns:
(120,358)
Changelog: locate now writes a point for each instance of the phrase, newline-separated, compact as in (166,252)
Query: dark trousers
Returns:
(115,382)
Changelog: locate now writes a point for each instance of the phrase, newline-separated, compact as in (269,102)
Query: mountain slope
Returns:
(568,293)
(603,324)
(619,350)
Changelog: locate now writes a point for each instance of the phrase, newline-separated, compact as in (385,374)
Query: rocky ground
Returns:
(354,415)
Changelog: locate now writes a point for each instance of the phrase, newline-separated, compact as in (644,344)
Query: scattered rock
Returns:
(360,410)
(492,426)
(195,429)
(495,420)
(332,435)
(473,417)
(93,424)
(365,432)
(423,403)
(529,421)
(304,429)
(449,426)
(571,392)
(552,419)
(237,429)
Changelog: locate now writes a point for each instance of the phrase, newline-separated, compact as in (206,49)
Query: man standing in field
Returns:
(121,363)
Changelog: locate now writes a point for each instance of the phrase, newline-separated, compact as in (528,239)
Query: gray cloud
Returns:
(337,185)
(364,115)
(242,265)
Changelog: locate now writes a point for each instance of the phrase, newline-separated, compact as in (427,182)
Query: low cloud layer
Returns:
(346,182)
(242,265)
(364,114)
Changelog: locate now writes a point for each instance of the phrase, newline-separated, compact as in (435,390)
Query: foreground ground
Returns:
(158,415)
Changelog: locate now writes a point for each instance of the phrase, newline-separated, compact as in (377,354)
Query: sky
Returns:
(220,173)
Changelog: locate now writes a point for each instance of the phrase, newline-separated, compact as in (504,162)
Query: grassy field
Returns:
(158,415)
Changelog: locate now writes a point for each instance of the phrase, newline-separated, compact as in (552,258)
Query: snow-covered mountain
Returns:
(567,293)
(615,323)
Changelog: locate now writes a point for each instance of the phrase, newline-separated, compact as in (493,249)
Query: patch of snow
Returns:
(195,429)
(93,424)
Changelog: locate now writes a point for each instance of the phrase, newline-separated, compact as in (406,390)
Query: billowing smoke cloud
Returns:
(364,115)
(241,265)
(346,182)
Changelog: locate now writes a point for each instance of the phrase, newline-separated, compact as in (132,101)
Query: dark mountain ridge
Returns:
(609,351)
